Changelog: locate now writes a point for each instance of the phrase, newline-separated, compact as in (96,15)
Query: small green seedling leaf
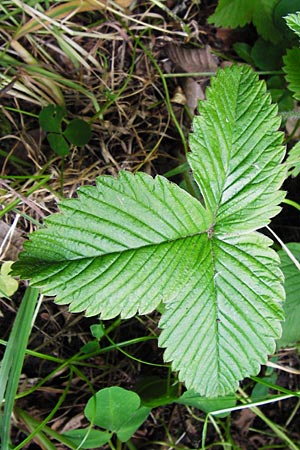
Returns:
(94,438)
(51,117)
(58,144)
(8,284)
(90,347)
(97,330)
(78,132)
(117,410)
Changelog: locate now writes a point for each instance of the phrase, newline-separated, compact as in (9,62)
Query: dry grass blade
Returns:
(62,11)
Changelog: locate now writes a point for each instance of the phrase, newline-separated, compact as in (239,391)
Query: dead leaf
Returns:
(192,60)
(72,424)
(193,93)
(179,97)
(245,420)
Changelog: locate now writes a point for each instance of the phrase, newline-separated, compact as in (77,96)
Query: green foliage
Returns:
(8,284)
(261,389)
(293,161)
(114,409)
(280,94)
(77,132)
(208,405)
(291,68)
(155,391)
(88,439)
(290,327)
(237,13)
(265,55)
(275,36)
(51,118)
(281,10)
(293,22)
(128,244)
(12,362)
(292,58)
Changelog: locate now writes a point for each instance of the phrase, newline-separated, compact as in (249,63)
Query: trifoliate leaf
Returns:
(128,244)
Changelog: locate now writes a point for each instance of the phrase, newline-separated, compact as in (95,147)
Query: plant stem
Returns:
(292,203)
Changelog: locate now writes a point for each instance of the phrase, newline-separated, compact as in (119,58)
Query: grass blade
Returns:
(12,362)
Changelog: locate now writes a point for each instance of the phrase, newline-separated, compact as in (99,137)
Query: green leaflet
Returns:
(237,13)
(293,160)
(291,68)
(105,253)
(293,22)
(127,244)
(236,152)
(291,329)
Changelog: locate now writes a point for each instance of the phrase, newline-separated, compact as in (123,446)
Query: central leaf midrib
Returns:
(219,203)
(119,251)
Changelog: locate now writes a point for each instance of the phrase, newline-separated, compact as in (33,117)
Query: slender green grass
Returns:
(12,362)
